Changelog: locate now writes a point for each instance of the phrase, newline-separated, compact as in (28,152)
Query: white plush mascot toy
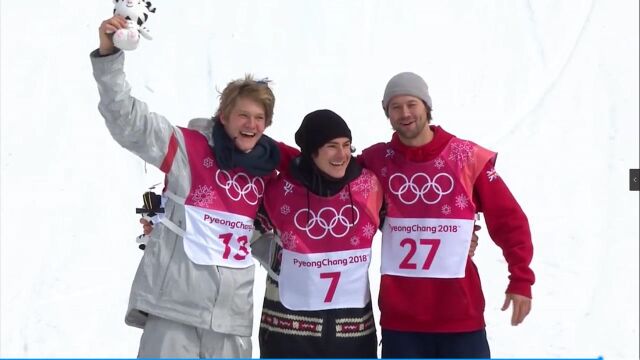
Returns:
(136,12)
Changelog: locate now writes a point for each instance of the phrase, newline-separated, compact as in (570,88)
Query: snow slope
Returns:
(552,85)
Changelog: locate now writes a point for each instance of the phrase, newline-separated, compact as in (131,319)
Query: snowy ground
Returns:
(552,85)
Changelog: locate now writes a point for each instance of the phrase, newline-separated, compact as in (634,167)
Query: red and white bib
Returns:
(219,209)
(326,242)
(430,211)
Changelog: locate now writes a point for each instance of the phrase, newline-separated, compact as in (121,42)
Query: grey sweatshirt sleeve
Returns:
(128,119)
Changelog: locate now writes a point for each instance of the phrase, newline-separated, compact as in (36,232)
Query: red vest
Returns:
(426,236)
(326,242)
(430,212)
(219,209)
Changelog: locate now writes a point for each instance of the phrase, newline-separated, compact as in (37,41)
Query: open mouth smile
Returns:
(247,134)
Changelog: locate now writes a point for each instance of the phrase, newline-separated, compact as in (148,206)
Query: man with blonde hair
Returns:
(193,291)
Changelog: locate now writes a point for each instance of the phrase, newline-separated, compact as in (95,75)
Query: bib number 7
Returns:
(407,263)
(334,277)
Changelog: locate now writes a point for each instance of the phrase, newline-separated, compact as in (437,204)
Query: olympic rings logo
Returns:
(420,186)
(251,191)
(335,222)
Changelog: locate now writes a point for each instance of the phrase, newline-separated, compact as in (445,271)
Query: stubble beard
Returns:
(411,134)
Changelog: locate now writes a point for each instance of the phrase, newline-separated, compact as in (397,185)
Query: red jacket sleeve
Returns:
(287,154)
(508,227)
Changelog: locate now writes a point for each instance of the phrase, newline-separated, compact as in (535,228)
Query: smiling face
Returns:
(245,124)
(408,117)
(333,157)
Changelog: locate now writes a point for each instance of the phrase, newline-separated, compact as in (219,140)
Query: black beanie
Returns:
(318,128)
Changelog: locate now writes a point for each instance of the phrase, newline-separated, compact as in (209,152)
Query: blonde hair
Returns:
(256,90)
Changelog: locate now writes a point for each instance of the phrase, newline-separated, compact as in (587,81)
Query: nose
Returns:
(344,153)
(405,111)
(251,122)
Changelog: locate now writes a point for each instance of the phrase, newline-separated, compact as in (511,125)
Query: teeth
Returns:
(246,133)
(336,163)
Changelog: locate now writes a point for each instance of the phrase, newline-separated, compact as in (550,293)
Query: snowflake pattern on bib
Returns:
(204,195)
(355,241)
(368,230)
(461,152)
(207,162)
(288,188)
(492,174)
(462,201)
(383,172)
(289,240)
(344,195)
(366,185)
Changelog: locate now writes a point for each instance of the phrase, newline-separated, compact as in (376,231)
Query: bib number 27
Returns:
(408,262)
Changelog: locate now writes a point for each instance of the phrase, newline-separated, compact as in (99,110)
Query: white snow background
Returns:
(552,85)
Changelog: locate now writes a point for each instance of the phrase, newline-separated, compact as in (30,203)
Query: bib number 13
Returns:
(242,252)
(408,262)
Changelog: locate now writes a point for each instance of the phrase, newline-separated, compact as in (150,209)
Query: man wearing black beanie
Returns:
(322,177)
(318,127)
(326,211)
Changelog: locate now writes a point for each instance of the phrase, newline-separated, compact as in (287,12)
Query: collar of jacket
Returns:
(304,170)
(426,152)
(260,161)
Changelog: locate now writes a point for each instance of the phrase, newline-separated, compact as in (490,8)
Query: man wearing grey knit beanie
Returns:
(431,301)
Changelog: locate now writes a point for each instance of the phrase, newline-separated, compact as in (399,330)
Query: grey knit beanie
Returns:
(406,83)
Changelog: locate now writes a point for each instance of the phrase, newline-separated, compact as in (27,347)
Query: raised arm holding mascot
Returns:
(193,291)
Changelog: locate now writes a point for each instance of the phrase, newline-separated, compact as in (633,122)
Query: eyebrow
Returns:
(248,112)
(338,143)
(412,101)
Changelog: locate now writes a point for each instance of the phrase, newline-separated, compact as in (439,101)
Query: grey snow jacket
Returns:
(167,284)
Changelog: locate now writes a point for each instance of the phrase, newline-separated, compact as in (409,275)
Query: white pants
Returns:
(164,338)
